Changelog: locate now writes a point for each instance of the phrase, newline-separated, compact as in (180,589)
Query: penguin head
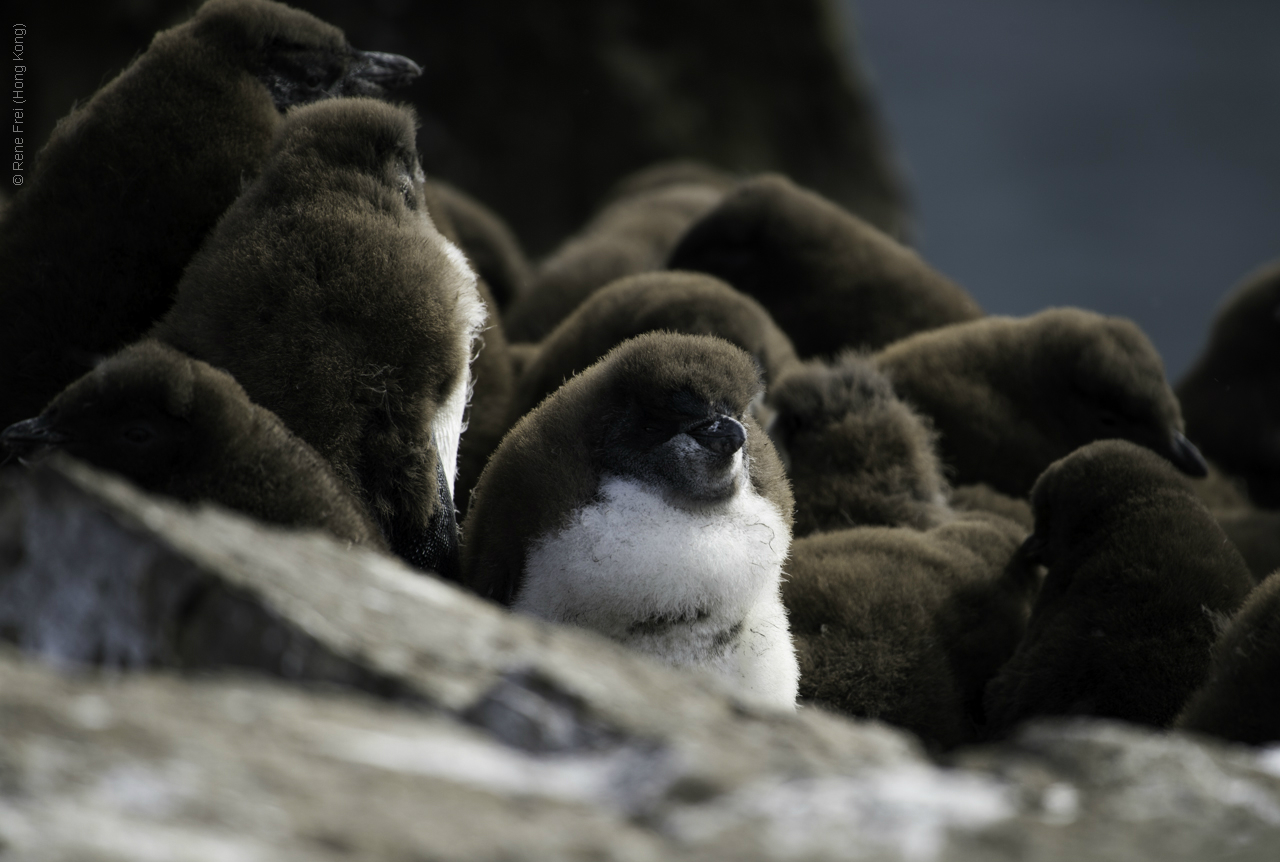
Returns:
(353,137)
(1114,387)
(296,56)
(131,415)
(673,416)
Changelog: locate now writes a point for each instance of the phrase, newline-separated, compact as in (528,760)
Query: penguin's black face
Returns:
(681,444)
(137,439)
(297,74)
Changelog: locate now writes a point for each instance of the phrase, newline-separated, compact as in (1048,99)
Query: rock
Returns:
(391,716)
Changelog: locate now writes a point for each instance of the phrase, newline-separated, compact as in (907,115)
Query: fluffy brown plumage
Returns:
(1231,396)
(1009,396)
(831,280)
(856,454)
(1240,700)
(330,295)
(691,303)
(179,427)
(906,625)
(488,243)
(1139,574)
(130,183)
(632,234)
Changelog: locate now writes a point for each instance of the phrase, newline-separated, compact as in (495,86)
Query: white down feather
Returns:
(693,589)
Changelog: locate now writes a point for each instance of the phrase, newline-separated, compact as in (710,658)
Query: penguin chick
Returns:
(691,303)
(642,501)
(831,280)
(855,454)
(330,295)
(1239,700)
(488,243)
(632,234)
(1231,396)
(983,498)
(129,184)
(906,625)
(672,172)
(179,427)
(1010,396)
(1137,572)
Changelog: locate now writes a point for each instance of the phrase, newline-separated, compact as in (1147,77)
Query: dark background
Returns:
(1121,155)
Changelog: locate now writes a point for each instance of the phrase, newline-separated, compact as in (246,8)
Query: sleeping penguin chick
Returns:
(488,243)
(130,183)
(1231,396)
(830,279)
(855,454)
(179,427)
(1240,700)
(1010,396)
(330,295)
(1138,572)
(905,625)
(641,501)
(691,303)
(630,235)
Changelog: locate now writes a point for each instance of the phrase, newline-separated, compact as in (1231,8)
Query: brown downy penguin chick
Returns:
(1240,700)
(831,280)
(130,183)
(630,235)
(488,243)
(1231,396)
(980,497)
(330,295)
(1139,574)
(905,625)
(687,302)
(1009,396)
(642,501)
(176,426)
(856,455)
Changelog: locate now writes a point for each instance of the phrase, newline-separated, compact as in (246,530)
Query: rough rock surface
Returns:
(394,717)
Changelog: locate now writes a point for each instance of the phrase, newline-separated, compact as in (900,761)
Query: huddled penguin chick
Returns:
(906,625)
(130,183)
(1256,535)
(855,454)
(331,297)
(686,302)
(488,243)
(632,234)
(179,427)
(1240,700)
(642,501)
(1009,396)
(831,280)
(1231,396)
(1139,578)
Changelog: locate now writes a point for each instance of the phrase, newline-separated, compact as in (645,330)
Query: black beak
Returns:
(386,70)
(723,435)
(1186,457)
(1032,550)
(24,438)
(435,548)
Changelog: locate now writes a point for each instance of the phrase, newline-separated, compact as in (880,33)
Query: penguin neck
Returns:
(693,588)
(451,416)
